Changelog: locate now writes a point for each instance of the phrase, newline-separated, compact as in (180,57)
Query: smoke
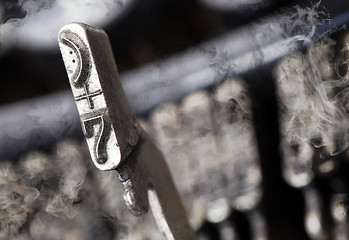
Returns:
(264,41)
(313,101)
(313,98)
(208,141)
(39,28)
(62,196)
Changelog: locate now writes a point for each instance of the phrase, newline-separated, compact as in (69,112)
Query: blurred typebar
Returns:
(247,100)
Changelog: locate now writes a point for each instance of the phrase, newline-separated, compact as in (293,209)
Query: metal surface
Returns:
(114,139)
(107,122)
(147,181)
(145,87)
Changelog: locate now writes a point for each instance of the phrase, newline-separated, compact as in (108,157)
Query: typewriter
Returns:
(246,100)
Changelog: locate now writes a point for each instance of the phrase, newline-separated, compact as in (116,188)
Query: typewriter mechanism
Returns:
(223,120)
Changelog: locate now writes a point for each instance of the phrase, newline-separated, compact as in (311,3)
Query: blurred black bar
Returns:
(43,121)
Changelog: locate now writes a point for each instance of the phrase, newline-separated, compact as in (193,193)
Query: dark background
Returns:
(151,31)
(155,30)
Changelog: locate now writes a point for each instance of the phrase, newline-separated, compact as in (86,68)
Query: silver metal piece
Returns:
(339,212)
(315,221)
(114,139)
(146,174)
(107,122)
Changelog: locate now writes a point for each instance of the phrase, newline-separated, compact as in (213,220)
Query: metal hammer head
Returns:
(109,126)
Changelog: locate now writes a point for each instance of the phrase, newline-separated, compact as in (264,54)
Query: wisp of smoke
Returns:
(39,28)
(313,100)
(311,114)
(213,131)
(264,41)
(62,196)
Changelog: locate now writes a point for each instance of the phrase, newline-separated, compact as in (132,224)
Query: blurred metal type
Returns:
(113,136)
(235,54)
(162,82)
(107,122)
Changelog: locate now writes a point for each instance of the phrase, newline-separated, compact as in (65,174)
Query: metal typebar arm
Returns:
(115,140)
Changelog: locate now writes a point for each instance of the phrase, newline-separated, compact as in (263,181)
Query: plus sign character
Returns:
(93,79)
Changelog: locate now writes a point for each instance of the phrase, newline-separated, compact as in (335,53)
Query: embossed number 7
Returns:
(97,131)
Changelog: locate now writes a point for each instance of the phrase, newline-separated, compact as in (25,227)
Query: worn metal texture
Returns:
(146,87)
(145,173)
(114,139)
(107,122)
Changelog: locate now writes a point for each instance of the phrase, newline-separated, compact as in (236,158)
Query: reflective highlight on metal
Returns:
(114,139)
(147,180)
(108,124)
